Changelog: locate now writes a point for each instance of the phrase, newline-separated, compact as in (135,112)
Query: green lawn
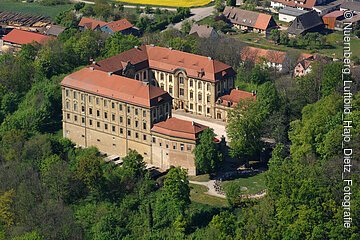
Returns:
(33,8)
(197,194)
(251,185)
(334,39)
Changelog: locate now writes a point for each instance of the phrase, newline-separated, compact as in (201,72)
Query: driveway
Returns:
(197,15)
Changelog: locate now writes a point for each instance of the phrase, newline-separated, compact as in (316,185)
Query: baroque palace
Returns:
(125,102)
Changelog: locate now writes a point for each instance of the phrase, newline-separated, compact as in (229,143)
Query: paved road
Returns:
(197,14)
(218,126)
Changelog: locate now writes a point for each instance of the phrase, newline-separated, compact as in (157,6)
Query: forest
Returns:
(49,189)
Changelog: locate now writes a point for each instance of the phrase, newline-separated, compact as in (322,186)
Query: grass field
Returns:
(334,39)
(169,3)
(252,184)
(33,8)
(197,194)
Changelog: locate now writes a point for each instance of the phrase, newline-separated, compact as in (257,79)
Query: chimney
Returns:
(137,47)
(92,68)
(110,73)
(209,58)
(193,123)
(152,45)
(170,48)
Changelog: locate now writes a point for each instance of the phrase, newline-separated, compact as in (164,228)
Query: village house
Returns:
(353,6)
(249,20)
(305,66)
(328,7)
(13,41)
(116,114)
(288,14)
(123,26)
(195,82)
(203,31)
(52,30)
(282,62)
(305,23)
(300,4)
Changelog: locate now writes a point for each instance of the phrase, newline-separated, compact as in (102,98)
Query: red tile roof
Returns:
(308,4)
(235,97)
(334,14)
(258,55)
(168,60)
(24,37)
(116,87)
(262,21)
(179,128)
(119,25)
(91,23)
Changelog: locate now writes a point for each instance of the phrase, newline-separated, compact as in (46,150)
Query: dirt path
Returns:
(211,189)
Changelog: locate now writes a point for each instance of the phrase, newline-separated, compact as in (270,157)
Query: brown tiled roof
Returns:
(120,25)
(24,37)
(235,97)
(168,60)
(257,55)
(203,31)
(247,18)
(179,128)
(308,4)
(116,87)
(91,23)
(334,14)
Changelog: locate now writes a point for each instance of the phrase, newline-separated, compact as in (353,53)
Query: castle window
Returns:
(121,130)
(154,140)
(144,125)
(113,117)
(105,115)
(113,128)
(199,84)
(170,78)
(170,90)
(136,123)
(200,108)
(106,126)
(188,147)
(208,98)
(75,107)
(191,83)
(90,99)
(191,94)
(136,111)
(199,96)
(181,92)
(129,133)
(208,86)
(144,74)
(82,97)
(181,79)
(144,137)
(75,94)
(112,105)
(67,105)
(98,124)
(120,107)
(129,121)
(68,116)
(67,92)
(97,101)
(82,108)
(90,122)
(182,147)
(83,120)
(174,146)
(161,76)
(144,113)
(137,135)
(105,103)
(128,109)
(121,119)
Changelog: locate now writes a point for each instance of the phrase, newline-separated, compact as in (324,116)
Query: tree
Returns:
(78,6)
(118,43)
(6,214)
(275,35)
(176,187)
(133,166)
(207,154)
(88,168)
(231,3)
(102,9)
(331,78)
(186,26)
(219,5)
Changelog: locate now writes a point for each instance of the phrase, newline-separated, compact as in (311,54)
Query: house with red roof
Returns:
(123,26)
(278,60)
(249,20)
(300,4)
(16,38)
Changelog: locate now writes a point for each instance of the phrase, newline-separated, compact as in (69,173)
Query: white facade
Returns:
(286,18)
